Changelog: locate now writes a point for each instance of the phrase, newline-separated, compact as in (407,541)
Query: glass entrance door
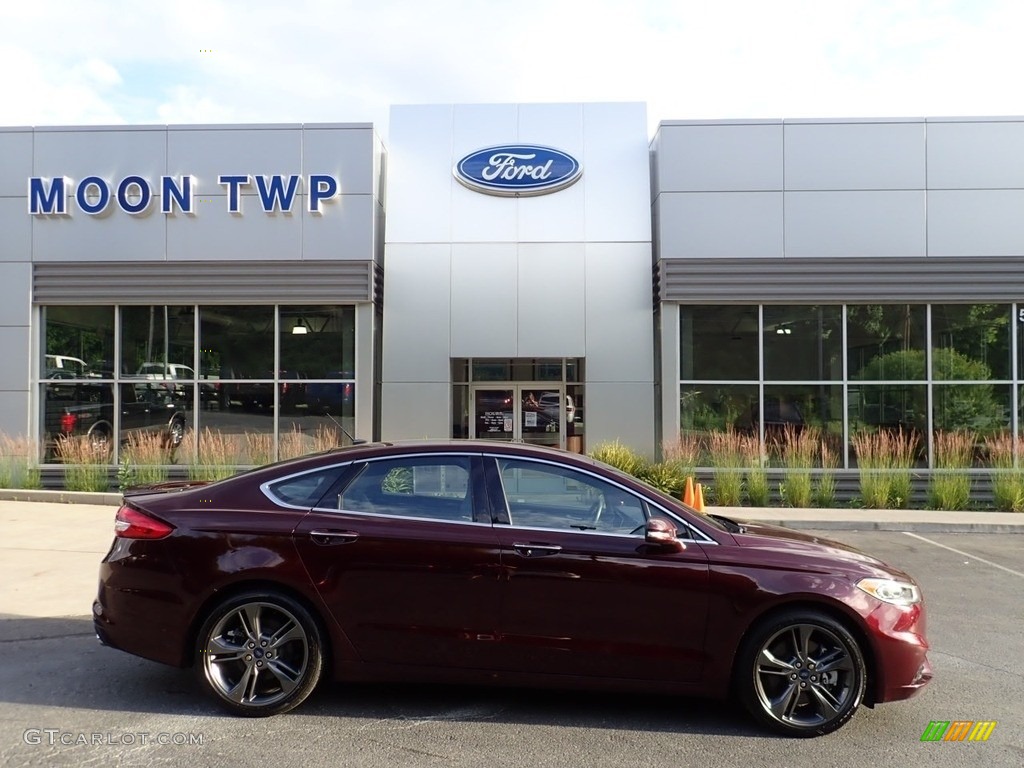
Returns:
(524,413)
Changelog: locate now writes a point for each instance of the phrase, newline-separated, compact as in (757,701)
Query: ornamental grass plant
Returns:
(19,466)
(683,455)
(85,463)
(825,490)
(1007,459)
(758,488)
(799,450)
(728,455)
(299,442)
(213,456)
(949,484)
(144,460)
(18,463)
(885,460)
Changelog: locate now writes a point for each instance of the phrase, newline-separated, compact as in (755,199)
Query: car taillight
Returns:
(133,524)
(67,423)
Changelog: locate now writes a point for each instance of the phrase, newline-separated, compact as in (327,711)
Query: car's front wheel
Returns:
(801,674)
(259,654)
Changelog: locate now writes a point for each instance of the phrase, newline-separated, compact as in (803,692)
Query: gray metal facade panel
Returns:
(864,280)
(278,282)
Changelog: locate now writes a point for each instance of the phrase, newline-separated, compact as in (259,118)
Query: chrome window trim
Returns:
(265,487)
(386,516)
(703,537)
(428,454)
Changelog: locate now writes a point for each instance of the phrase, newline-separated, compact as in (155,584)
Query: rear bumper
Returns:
(147,622)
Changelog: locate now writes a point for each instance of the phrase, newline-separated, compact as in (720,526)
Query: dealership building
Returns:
(537,272)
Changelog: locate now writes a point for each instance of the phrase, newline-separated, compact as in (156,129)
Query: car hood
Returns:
(816,550)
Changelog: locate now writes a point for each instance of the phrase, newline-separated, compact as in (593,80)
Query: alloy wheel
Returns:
(801,673)
(260,656)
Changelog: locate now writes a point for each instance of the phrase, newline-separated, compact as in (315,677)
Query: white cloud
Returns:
(315,60)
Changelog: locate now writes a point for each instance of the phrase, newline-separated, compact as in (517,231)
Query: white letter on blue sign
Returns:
(321,187)
(50,201)
(233,183)
(82,195)
(275,195)
(171,193)
(145,194)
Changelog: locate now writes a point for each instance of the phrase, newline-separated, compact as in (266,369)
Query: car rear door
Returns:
(585,594)
(405,557)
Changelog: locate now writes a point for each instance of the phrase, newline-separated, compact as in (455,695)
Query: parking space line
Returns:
(966,554)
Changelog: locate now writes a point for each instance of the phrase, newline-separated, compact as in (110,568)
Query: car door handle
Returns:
(536,550)
(332,537)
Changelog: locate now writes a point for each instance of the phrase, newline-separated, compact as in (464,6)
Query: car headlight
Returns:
(891,591)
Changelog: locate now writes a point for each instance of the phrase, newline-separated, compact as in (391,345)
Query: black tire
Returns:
(801,674)
(259,654)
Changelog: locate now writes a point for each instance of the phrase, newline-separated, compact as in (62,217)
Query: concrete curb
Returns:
(879,525)
(110,499)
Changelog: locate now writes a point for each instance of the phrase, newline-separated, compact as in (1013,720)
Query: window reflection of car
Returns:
(177,379)
(89,411)
(549,406)
(330,397)
(65,367)
(259,395)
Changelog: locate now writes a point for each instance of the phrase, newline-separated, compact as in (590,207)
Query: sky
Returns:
(107,62)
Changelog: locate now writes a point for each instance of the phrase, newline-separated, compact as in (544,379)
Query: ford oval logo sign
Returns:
(518,170)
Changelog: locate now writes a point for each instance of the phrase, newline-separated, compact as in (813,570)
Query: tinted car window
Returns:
(304,490)
(547,496)
(436,487)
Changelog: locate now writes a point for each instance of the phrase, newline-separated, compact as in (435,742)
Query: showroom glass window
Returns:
(971,352)
(252,382)
(719,347)
(851,368)
(76,390)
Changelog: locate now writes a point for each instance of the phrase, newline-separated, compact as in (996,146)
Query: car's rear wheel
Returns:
(801,674)
(259,654)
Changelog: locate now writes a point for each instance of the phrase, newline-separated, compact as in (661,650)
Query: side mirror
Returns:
(661,533)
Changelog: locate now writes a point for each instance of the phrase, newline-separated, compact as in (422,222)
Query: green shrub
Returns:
(665,477)
(621,457)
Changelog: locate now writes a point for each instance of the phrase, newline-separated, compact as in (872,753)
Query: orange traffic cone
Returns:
(688,497)
(698,504)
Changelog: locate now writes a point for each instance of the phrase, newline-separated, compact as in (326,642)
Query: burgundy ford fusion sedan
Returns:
(488,562)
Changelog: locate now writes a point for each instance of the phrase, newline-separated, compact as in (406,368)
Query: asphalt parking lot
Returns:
(59,688)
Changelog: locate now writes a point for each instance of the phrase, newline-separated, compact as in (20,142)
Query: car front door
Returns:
(405,557)
(585,594)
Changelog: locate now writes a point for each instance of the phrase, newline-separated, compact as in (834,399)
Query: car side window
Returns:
(546,496)
(435,487)
(304,490)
